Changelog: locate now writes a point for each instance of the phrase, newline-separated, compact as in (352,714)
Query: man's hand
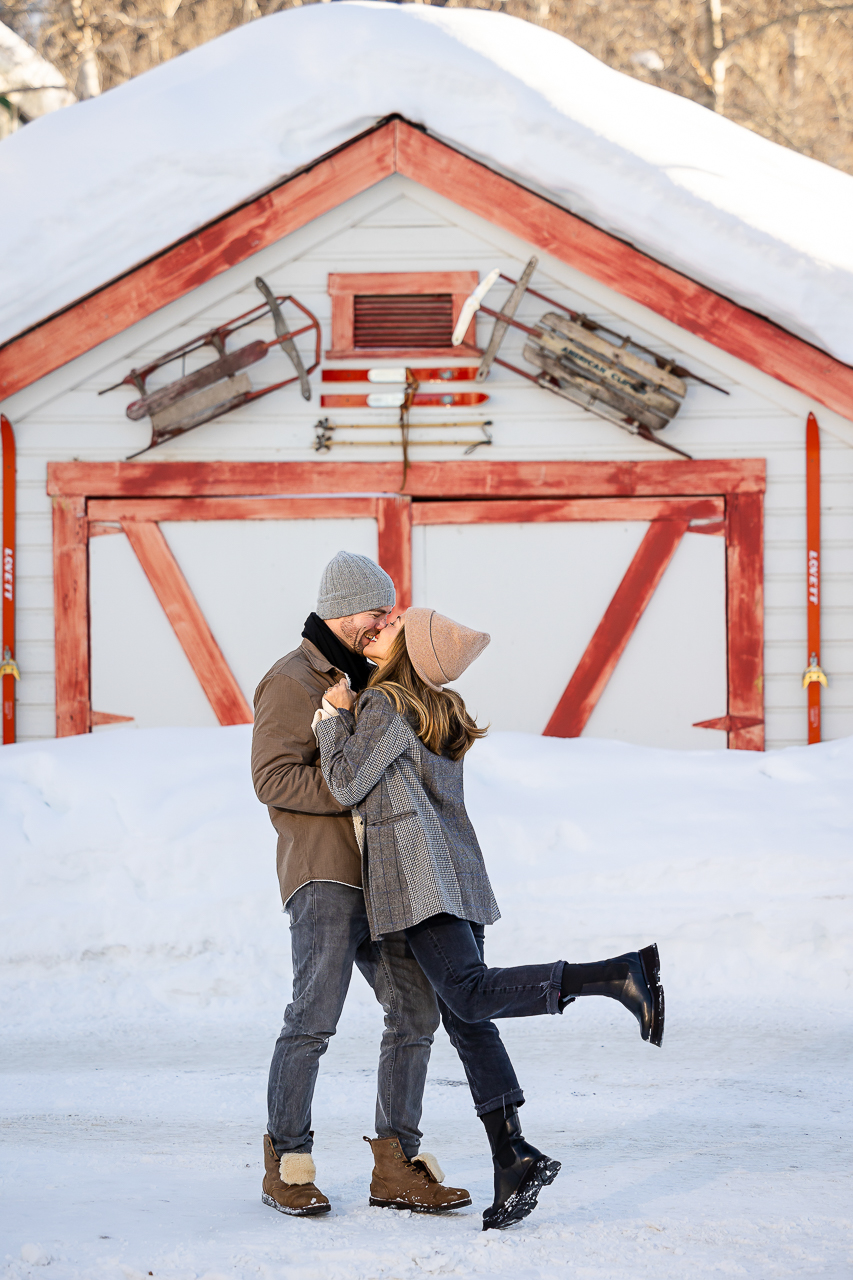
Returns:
(340,695)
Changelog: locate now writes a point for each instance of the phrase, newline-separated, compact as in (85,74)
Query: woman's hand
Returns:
(340,695)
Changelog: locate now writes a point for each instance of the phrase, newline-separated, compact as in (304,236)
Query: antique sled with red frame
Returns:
(221,386)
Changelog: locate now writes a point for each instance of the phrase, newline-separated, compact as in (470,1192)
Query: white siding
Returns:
(401,226)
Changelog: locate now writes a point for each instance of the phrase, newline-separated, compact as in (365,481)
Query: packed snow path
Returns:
(726,1153)
(145,968)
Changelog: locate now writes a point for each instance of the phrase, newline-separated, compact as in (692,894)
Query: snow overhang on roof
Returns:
(100,188)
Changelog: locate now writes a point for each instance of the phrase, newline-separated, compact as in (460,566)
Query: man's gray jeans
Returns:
(329,932)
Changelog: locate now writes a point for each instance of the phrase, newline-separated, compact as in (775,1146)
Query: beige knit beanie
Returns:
(439,648)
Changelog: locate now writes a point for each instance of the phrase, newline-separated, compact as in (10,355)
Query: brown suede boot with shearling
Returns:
(399,1183)
(289,1183)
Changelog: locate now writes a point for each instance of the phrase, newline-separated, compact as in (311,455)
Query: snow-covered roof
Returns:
(96,189)
(22,68)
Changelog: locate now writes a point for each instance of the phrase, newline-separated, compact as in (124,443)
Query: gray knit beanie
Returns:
(353,584)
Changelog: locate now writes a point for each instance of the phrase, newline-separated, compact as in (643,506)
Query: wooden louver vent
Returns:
(402,320)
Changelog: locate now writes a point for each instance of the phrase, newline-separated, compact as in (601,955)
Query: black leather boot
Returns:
(632,979)
(520,1170)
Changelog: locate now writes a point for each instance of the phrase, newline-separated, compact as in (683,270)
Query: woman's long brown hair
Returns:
(443,724)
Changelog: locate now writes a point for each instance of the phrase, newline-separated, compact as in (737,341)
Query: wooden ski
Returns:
(395,399)
(509,309)
(398,374)
(814,676)
(8,665)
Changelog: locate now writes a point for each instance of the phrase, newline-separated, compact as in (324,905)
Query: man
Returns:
(319,870)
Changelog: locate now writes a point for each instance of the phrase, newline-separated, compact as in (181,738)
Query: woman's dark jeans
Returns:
(450,952)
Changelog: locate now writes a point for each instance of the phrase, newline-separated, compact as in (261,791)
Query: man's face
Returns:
(358,629)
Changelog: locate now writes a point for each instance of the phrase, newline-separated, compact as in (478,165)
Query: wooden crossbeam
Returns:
(482,479)
(615,629)
(394,521)
(194,635)
(71,610)
(546,511)
(157,509)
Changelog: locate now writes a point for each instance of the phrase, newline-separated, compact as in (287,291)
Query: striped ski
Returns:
(398,374)
(395,399)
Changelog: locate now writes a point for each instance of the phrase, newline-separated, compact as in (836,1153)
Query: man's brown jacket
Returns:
(316,840)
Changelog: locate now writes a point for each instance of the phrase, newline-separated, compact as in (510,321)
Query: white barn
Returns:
(374,162)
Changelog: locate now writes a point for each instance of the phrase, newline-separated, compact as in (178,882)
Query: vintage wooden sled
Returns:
(221,386)
(620,381)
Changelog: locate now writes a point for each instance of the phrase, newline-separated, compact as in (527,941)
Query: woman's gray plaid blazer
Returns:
(420,856)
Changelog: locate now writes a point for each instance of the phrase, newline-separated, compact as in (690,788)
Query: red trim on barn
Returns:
(616,628)
(670,495)
(538,510)
(397,147)
(482,479)
(394,548)
(71,614)
(190,626)
(158,509)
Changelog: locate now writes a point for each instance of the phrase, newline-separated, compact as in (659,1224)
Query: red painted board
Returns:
(394,517)
(482,479)
(540,511)
(182,610)
(615,629)
(729,723)
(745,616)
(71,615)
(158,509)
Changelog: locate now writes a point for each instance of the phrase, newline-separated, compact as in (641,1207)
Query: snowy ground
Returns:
(144,970)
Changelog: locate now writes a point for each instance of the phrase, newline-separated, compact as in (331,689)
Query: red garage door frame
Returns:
(723,498)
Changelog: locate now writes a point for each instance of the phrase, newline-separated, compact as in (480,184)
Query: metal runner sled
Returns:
(626,384)
(221,386)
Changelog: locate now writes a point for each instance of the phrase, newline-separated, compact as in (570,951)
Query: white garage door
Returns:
(540,590)
(255,581)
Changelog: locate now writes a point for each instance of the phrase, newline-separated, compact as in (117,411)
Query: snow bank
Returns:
(138,871)
(99,188)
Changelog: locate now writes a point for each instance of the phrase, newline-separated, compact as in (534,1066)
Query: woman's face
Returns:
(379,647)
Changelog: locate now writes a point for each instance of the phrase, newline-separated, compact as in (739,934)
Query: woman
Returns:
(395,755)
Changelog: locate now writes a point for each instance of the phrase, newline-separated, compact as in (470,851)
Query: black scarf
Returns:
(355,665)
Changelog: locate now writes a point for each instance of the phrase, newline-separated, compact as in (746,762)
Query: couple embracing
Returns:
(358,752)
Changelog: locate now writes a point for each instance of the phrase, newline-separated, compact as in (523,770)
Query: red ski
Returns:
(814,676)
(8,665)
(395,399)
(398,374)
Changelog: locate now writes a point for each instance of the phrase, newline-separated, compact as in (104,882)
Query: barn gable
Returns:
(398,224)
